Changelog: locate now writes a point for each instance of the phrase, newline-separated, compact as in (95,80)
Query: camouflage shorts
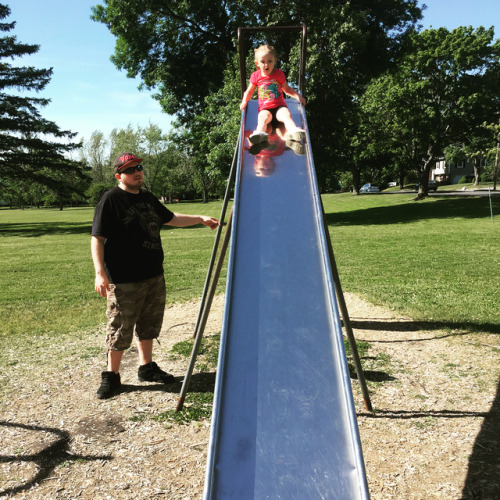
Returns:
(140,305)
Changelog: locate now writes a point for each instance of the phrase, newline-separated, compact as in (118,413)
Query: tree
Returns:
(473,150)
(437,95)
(178,48)
(168,171)
(25,152)
(185,52)
(350,43)
(493,151)
(212,136)
(178,181)
(124,140)
(95,156)
(155,145)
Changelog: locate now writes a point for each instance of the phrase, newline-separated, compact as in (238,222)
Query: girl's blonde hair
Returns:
(266,49)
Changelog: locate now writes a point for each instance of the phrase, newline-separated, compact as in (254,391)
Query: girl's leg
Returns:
(283,115)
(263,119)
(259,135)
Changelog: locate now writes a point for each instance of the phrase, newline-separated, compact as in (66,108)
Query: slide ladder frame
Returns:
(212,279)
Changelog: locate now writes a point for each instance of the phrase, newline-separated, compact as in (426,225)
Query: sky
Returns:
(89,93)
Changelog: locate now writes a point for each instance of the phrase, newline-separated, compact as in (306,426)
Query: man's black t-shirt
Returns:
(131,224)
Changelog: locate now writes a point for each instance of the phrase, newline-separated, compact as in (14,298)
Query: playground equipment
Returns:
(284,423)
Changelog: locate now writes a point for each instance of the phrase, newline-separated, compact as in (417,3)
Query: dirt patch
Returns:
(434,433)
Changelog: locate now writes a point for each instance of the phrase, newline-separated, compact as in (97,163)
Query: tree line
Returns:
(31,165)
(168,171)
(385,99)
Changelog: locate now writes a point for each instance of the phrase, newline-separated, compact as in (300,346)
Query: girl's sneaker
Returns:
(258,137)
(297,135)
(297,147)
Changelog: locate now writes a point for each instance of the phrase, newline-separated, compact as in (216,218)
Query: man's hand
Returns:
(102,285)
(211,222)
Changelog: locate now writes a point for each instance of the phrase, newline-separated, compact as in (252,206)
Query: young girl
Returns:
(271,83)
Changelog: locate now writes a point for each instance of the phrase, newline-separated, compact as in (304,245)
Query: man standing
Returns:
(128,261)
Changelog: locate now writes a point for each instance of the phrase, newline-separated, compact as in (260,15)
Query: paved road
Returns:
(444,192)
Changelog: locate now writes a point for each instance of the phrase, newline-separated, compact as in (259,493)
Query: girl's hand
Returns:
(243,105)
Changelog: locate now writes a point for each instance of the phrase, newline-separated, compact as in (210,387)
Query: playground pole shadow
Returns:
(483,475)
(47,459)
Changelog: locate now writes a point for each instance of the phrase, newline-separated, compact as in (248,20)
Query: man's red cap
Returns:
(125,160)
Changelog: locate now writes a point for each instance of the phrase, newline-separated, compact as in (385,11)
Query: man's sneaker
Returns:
(153,373)
(110,384)
(258,137)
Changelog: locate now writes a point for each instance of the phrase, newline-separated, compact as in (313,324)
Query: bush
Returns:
(345,181)
(463,180)
(485,177)
(411,177)
(96,191)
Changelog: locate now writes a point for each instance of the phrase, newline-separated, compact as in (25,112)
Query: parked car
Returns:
(432,186)
(369,188)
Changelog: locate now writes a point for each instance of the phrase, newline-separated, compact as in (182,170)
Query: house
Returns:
(452,172)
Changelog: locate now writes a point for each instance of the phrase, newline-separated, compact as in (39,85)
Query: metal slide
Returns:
(284,424)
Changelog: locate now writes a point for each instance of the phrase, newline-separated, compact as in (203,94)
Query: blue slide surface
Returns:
(284,424)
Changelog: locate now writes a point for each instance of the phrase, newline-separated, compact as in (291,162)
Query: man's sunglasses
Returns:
(131,170)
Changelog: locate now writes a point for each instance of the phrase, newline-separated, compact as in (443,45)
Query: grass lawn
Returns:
(435,260)
(48,275)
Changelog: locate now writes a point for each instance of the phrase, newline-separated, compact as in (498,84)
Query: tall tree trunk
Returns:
(356,178)
(423,187)
(477,169)
(402,178)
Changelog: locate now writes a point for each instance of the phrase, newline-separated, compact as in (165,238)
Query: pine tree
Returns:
(31,148)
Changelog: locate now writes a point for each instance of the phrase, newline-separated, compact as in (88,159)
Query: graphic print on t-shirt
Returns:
(269,90)
(149,221)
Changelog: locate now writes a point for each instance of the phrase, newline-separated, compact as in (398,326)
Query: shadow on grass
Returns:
(406,415)
(465,328)
(200,382)
(444,208)
(46,460)
(371,375)
(36,229)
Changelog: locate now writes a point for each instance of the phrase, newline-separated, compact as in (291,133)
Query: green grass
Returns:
(197,406)
(361,345)
(208,352)
(48,276)
(436,260)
